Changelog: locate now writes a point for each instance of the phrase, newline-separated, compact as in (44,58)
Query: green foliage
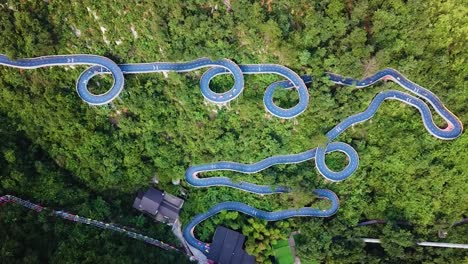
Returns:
(282,252)
(57,150)
(261,235)
(395,241)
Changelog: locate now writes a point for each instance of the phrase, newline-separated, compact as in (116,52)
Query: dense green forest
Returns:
(58,151)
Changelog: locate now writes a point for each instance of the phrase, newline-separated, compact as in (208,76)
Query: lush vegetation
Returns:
(59,151)
(282,252)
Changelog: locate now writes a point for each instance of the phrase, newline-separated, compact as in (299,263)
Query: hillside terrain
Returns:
(57,150)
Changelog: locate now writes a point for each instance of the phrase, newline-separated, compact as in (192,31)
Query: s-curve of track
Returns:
(103,65)
(454,129)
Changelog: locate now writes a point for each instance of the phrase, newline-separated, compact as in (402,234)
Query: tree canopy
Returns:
(57,150)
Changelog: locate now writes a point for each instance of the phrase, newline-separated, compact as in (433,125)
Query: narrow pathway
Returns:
(79,219)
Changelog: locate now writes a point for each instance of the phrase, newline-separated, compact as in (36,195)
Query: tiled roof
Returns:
(162,206)
(226,248)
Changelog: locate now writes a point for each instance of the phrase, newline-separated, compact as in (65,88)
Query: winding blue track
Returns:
(454,129)
(254,212)
(103,65)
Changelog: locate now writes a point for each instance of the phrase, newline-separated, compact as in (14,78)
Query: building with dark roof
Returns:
(227,248)
(163,207)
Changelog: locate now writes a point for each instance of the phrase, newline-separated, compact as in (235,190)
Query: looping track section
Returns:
(102,65)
